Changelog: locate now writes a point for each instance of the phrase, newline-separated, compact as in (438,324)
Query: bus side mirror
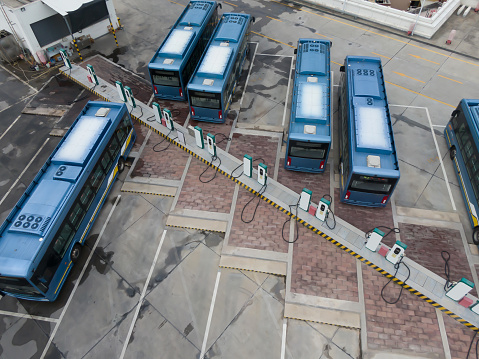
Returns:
(219,6)
(295,51)
(455,113)
(341,69)
(331,44)
(253,19)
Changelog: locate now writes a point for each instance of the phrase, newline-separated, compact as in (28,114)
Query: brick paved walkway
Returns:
(409,325)
(365,218)
(421,240)
(215,196)
(264,232)
(168,164)
(322,269)
(459,338)
(141,132)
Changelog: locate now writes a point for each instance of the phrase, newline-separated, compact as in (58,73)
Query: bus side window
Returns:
(63,238)
(96,178)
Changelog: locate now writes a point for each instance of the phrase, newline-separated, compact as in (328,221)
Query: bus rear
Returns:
(309,137)
(174,62)
(369,168)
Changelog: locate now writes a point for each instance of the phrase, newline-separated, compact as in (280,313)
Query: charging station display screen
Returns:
(205,99)
(372,184)
(165,78)
(312,150)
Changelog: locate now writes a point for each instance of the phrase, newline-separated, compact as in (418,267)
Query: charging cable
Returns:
(330,210)
(225,138)
(448,283)
(213,159)
(395,230)
(159,143)
(470,346)
(396,266)
(296,229)
(260,192)
(237,168)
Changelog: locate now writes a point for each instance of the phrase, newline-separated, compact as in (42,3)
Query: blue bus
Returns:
(462,136)
(368,163)
(309,138)
(174,62)
(42,237)
(210,90)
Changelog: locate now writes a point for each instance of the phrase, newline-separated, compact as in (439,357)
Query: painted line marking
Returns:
(210,315)
(174,2)
(287,94)
(459,82)
(409,77)
(9,127)
(420,94)
(337,63)
(230,3)
(270,38)
(79,279)
(377,33)
(249,73)
(440,160)
(28,316)
(19,79)
(443,126)
(24,170)
(283,338)
(381,55)
(272,18)
(422,58)
(142,297)
(329,38)
(16,103)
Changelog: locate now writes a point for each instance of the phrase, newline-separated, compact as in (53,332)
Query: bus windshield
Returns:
(312,150)
(165,78)
(205,99)
(17,285)
(371,184)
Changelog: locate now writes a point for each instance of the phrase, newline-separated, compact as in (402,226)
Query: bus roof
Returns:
(473,107)
(221,52)
(310,112)
(33,218)
(372,133)
(184,32)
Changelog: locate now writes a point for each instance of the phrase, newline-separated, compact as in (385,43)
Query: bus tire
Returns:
(121,165)
(475,236)
(75,254)
(452,152)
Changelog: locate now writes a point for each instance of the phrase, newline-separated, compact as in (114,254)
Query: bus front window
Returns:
(310,150)
(17,286)
(205,99)
(371,184)
(165,78)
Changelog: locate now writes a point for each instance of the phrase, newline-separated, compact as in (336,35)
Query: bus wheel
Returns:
(75,254)
(452,152)
(475,236)
(121,165)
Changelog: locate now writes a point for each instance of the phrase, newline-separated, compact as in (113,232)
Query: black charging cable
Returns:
(396,266)
(296,229)
(259,194)
(213,159)
(225,138)
(448,283)
(470,346)
(395,230)
(159,143)
(237,168)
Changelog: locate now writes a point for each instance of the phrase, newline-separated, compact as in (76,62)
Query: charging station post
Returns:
(396,252)
(199,137)
(248,165)
(262,173)
(121,90)
(168,119)
(157,111)
(211,142)
(323,208)
(65,59)
(305,199)
(460,289)
(91,75)
(373,239)
(129,97)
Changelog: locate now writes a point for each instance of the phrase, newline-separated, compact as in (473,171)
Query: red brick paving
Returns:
(220,130)
(409,325)
(264,232)
(459,338)
(257,147)
(322,269)
(215,196)
(420,240)
(318,183)
(365,218)
(168,164)
(141,132)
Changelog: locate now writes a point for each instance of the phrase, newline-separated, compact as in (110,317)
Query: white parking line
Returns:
(79,278)
(210,315)
(9,127)
(283,338)
(28,316)
(24,170)
(249,73)
(287,93)
(19,79)
(16,103)
(142,297)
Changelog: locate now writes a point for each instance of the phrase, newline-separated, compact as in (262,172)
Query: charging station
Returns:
(199,137)
(65,59)
(305,199)
(460,289)
(323,208)
(168,119)
(157,111)
(211,143)
(129,97)
(373,239)
(475,307)
(396,252)
(91,75)
(248,165)
(262,173)
(121,90)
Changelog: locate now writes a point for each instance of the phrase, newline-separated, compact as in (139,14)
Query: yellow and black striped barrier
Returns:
(78,50)
(114,32)
(304,223)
